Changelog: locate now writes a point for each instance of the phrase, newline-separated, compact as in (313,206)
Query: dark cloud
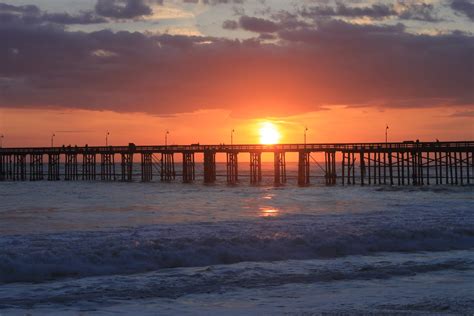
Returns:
(65,18)
(332,62)
(418,11)
(257,25)
(215,2)
(405,11)
(465,7)
(230,25)
(283,21)
(125,9)
(376,11)
(31,14)
(29,9)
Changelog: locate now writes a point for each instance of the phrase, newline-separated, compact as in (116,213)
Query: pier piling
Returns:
(279,168)
(53,167)
(303,168)
(167,172)
(255,167)
(36,167)
(126,166)
(232,167)
(209,166)
(70,167)
(147,167)
(107,167)
(189,174)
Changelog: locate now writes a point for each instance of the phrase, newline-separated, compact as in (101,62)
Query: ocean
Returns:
(153,248)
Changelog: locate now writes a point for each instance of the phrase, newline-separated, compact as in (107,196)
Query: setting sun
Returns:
(269,134)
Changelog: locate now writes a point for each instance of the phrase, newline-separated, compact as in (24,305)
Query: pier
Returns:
(395,163)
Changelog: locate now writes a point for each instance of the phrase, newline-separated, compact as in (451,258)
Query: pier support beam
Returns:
(189,174)
(4,164)
(330,164)
(255,167)
(209,166)
(88,166)
(232,167)
(127,166)
(147,167)
(70,167)
(167,172)
(53,167)
(107,166)
(19,167)
(303,168)
(6,167)
(362,168)
(279,168)
(390,167)
(468,173)
(36,167)
(348,160)
(414,168)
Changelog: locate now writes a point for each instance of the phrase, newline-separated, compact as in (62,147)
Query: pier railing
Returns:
(243,147)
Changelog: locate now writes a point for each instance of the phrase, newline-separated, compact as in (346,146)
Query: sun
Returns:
(269,134)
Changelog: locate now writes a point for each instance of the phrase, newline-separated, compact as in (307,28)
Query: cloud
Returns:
(284,21)
(8,8)
(257,25)
(125,9)
(330,62)
(376,11)
(65,18)
(465,7)
(230,25)
(404,11)
(214,2)
(417,11)
(31,14)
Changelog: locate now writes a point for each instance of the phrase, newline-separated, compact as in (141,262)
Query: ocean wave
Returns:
(173,283)
(42,257)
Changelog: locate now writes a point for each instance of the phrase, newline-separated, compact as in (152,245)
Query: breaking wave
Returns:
(42,257)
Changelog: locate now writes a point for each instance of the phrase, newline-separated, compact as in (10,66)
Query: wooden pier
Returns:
(400,163)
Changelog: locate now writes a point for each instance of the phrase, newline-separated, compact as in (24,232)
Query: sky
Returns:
(202,68)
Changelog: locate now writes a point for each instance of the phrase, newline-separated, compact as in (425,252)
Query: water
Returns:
(170,248)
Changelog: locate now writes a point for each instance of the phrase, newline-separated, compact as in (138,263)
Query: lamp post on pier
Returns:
(52,140)
(1,140)
(107,138)
(166,138)
(305,130)
(386,133)
(232,137)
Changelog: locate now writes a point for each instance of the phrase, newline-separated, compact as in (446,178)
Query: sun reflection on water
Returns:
(269,212)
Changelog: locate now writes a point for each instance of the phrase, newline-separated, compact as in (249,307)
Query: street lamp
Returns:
(232,137)
(166,137)
(107,138)
(305,130)
(1,140)
(386,133)
(52,140)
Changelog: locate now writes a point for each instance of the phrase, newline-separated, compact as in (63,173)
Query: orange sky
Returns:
(27,127)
